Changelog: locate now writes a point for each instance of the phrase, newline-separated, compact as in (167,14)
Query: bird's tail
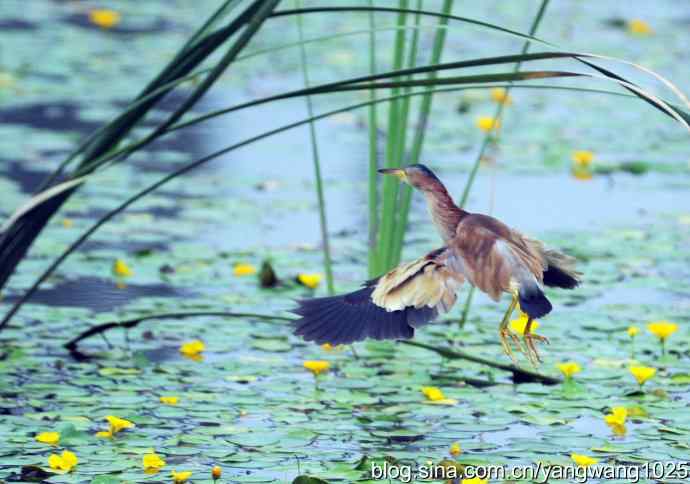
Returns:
(533,302)
(560,271)
(353,317)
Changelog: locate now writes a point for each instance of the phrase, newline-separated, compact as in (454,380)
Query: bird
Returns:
(477,249)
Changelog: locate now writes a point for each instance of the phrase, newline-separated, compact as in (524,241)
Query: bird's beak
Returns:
(399,172)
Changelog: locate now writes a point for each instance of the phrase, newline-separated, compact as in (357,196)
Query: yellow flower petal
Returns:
(242,269)
(662,329)
(51,438)
(104,434)
(455,449)
(68,223)
(569,368)
(121,269)
(501,96)
(487,123)
(216,472)
(433,393)
(583,460)
(180,477)
(55,461)
(617,416)
(152,462)
(117,424)
(583,157)
(518,325)
(192,348)
(639,27)
(317,366)
(69,460)
(170,400)
(309,280)
(633,331)
(64,462)
(104,18)
(642,373)
(474,480)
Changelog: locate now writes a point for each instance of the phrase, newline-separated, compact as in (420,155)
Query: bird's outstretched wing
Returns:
(389,307)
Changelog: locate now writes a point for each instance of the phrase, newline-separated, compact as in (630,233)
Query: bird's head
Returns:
(418,176)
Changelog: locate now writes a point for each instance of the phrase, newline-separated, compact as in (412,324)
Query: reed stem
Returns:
(323,221)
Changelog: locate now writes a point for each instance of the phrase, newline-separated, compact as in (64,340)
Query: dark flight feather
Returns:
(354,317)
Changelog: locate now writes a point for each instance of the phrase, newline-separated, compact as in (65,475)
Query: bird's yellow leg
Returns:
(529,337)
(504,332)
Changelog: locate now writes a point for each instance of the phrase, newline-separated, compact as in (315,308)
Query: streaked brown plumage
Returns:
(478,249)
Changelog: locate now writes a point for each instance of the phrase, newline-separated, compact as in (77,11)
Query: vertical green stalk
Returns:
(485,144)
(390,185)
(391,257)
(327,264)
(373,154)
(418,142)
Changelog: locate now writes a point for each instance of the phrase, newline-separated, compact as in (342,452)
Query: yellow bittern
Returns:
(479,249)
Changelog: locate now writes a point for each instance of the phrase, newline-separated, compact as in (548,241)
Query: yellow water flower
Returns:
(642,373)
(455,449)
(104,18)
(435,395)
(317,366)
(633,331)
(51,438)
(662,329)
(474,480)
(617,416)
(180,477)
(582,173)
(639,27)
(170,400)
(104,434)
(501,96)
(242,269)
(117,424)
(569,368)
(216,472)
(192,348)
(63,462)
(518,325)
(68,223)
(582,157)
(152,462)
(583,460)
(309,280)
(488,123)
(121,269)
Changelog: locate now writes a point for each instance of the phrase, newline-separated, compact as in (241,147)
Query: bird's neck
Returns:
(445,214)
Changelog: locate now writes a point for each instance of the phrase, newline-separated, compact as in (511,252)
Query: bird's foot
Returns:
(531,350)
(504,333)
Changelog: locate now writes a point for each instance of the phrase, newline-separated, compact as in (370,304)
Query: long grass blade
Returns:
(425,109)
(373,256)
(390,186)
(323,222)
(401,143)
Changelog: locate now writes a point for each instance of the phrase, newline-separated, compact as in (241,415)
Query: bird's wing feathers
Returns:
(389,307)
(492,256)
(425,282)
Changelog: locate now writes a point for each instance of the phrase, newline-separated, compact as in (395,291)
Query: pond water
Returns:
(248,405)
